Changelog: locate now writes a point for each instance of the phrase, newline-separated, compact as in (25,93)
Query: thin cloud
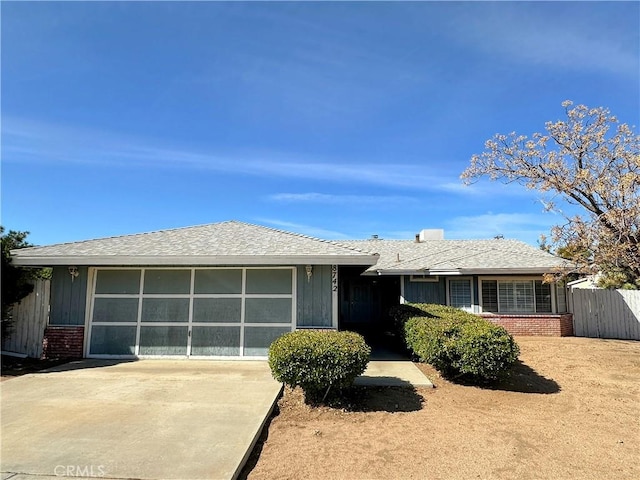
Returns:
(314,197)
(304,229)
(30,142)
(525,35)
(525,226)
(488,189)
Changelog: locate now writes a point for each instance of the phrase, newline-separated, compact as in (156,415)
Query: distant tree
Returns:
(16,282)
(589,159)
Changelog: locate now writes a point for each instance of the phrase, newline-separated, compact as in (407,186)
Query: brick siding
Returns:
(63,342)
(551,325)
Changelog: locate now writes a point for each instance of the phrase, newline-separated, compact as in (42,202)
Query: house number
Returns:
(334,278)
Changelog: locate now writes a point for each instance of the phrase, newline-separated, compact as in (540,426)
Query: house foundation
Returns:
(62,342)
(541,325)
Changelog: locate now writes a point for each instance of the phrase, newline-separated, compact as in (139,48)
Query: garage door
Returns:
(202,312)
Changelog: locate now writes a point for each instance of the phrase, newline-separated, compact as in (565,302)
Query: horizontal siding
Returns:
(68,296)
(314,297)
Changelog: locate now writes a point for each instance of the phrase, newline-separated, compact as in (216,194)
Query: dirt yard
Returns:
(571,410)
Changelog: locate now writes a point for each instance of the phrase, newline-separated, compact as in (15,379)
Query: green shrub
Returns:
(444,311)
(458,343)
(318,361)
(401,313)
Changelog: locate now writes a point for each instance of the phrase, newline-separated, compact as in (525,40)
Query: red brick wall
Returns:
(550,325)
(63,342)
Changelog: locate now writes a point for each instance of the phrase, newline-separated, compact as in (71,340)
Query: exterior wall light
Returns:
(73,271)
(309,270)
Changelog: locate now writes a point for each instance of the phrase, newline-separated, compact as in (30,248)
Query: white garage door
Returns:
(222,312)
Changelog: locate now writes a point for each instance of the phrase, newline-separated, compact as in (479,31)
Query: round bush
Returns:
(318,361)
(458,343)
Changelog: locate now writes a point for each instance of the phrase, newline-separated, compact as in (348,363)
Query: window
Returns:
(424,278)
(516,296)
(543,297)
(489,296)
(460,293)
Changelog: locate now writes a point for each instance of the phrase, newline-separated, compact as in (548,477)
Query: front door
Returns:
(360,302)
(366,300)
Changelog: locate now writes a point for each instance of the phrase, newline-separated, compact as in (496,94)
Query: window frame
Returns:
(424,278)
(469,279)
(512,279)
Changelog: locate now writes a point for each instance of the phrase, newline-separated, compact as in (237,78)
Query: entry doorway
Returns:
(365,302)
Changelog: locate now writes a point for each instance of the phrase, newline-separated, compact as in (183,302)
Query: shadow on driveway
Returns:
(147,419)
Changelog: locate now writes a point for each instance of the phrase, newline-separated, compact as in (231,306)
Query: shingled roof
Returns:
(224,243)
(238,243)
(436,257)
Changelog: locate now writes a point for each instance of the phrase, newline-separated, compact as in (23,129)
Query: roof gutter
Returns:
(477,271)
(373,271)
(200,260)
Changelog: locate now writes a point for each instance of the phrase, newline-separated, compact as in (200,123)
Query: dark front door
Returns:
(360,300)
(366,300)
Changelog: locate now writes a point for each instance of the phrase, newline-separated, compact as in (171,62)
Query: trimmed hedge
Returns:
(401,313)
(459,343)
(317,361)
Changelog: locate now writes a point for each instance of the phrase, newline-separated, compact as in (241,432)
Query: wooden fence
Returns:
(601,313)
(30,318)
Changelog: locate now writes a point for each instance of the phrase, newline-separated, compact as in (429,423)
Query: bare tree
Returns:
(589,159)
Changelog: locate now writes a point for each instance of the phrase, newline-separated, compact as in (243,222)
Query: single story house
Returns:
(229,289)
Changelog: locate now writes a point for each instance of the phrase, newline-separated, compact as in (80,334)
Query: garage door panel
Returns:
(221,310)
(164,340)
(258,339)
(165,310)
(112,340)
(268,310)
(115,310)
(221,281)
(220,341)
(118,281)
(269,281)
(199,311)
(167,281)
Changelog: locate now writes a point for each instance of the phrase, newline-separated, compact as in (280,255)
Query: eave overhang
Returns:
(458,272)
(190,260)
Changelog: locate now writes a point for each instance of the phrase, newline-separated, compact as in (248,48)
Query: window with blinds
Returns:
(460,293)
(516,296)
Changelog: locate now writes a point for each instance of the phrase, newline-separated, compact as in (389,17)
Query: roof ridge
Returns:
(126,235)
(302,235)
(407,240)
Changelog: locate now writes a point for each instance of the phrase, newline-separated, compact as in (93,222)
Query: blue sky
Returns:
(338,120)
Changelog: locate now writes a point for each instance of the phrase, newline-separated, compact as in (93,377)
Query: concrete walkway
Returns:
(393,373)
(151,419)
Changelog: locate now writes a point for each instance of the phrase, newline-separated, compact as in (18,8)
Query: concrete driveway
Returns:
(150,419)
